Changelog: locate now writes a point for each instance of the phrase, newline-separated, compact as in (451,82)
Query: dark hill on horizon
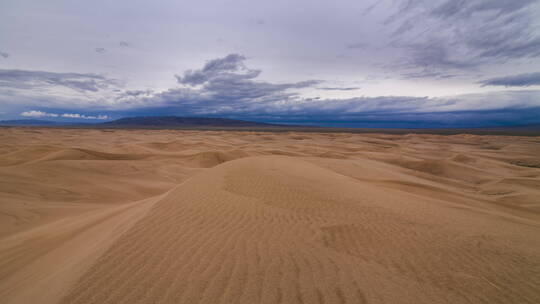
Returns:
(177,121)
(148,122)
(28,122)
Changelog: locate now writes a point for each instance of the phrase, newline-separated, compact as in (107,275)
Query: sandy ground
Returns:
(135,216)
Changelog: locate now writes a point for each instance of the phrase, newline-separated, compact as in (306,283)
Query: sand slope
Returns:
(276,230)
(232,217)
(40,263)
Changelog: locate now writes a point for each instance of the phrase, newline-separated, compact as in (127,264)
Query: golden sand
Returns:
(148,216)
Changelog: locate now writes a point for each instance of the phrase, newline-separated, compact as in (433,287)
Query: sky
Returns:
(388,63)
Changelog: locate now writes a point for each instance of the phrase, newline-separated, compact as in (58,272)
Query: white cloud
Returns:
(82,116)
(39,114)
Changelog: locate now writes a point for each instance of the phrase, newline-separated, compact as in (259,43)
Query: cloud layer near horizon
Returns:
(227,87)
(521,80)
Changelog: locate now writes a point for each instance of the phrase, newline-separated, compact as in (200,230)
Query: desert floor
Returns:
(148,216)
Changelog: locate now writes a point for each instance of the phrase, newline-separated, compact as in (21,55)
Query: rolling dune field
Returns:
(171,216)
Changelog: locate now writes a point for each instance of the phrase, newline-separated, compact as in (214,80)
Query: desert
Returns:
(187,216)
(270,152)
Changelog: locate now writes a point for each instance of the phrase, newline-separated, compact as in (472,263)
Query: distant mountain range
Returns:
(147,122)
(27,122)
(175,121)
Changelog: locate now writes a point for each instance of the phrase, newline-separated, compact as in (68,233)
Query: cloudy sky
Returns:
(388,63)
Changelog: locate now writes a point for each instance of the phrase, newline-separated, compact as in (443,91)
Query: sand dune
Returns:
(130,216)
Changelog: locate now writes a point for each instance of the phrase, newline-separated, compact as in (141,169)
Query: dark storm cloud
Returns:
(476,110)
(527,48)
(21,79)
(449,119)
(228,95)
(438,55)
(461,8)
(229,68)
(520,80)
(228,80)
(137,92)
(227,87)
(466,8)
(465,34)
